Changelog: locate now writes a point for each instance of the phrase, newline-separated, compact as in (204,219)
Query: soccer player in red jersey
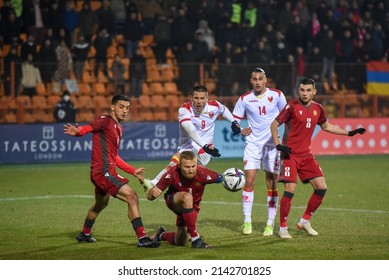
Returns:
(107,133)
(185,187)
(300,117)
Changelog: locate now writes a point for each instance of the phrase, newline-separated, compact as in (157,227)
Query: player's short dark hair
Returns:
(307,81)
(200,88)
(119,97)
(259,70)
(187,155)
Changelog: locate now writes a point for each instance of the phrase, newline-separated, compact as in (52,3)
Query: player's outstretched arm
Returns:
(328,127)
(75,130)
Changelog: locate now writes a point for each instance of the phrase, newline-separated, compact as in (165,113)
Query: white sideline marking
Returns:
(203,202)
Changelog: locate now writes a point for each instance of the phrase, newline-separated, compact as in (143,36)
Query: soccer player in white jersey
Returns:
(197,125)
(261,105)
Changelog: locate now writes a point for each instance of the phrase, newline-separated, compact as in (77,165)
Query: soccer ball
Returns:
(234,179)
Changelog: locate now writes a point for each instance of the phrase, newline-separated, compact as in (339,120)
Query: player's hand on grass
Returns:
(284,149)
(360,130)
(210,149)
(235,127)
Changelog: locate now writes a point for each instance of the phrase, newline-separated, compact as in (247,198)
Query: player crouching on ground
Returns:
(185,185)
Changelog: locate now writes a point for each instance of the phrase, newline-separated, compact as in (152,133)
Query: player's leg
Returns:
(272,202)
(311,169)
(248,200)
(181,237)
(285,205)
(101,201)
(252,161)
(128,195)
(271,165)
(173,162)
(288,175)
(183,203)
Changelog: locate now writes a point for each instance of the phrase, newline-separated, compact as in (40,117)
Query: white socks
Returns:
(247,203)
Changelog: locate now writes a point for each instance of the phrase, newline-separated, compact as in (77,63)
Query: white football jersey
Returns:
(204,123)
(260,111)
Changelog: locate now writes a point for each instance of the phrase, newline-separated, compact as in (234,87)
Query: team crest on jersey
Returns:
(270,98)
(211,114)
(301,112)
(315,113)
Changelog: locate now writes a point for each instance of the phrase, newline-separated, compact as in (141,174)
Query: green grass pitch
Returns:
(42,209)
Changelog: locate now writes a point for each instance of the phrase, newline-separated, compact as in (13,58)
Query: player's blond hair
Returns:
(187,155)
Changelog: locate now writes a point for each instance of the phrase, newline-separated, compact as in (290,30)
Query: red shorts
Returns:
(170,204)
(108,182)
(306,167)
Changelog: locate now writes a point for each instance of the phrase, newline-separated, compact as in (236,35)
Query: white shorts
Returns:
(257,156)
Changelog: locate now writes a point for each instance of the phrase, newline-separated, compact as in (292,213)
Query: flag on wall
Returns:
(377,73)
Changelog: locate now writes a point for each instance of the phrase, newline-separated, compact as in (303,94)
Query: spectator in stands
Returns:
(71,19)
(163,38)
(150,10)
(29,47)
(101,44)
(46,60)
(265,53)
(361,55)
(376,42)
(227,78)
(132,32)
(299,64)
(269,35)
(314,67)
(31,76)
(118,70)
(12,28)
(137,73)
(200,47)
(12,61)
(169,7)
(187,62)
(105,17)
(33,20)
(118,8)
(285,18)
(296,35)
(313,29)
(80,52)
(88,22)
(328,51)
(6,9)
(65,110)
(282,50)
(53,17)
(209,37)
(64,63)
(131,6)
(248,35)
(227,32)
(63,35)
(182,31)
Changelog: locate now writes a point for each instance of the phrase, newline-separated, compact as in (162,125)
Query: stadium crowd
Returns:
(56,36)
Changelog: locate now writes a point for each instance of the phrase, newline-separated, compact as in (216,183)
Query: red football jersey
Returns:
(175,182)
(300,122)
(107,134)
